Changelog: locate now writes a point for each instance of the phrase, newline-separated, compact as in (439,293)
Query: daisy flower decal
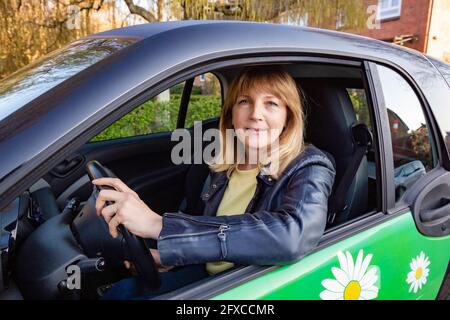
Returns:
(419,272)
(353,281)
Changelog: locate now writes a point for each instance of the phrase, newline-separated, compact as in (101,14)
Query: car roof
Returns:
(245,33)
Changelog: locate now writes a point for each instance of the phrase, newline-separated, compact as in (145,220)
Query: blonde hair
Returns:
(278,82)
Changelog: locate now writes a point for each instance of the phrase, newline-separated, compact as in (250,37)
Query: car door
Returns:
(399,252)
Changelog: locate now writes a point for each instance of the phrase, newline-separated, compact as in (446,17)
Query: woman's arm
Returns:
(281,236)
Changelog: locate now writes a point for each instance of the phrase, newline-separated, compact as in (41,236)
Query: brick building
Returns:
(423,25)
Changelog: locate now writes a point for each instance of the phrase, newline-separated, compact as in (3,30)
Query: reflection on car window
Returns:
(39,77)
(411,141)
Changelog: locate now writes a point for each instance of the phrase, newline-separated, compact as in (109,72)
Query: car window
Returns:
(359,101)
(158,114)
(411,140)
(206,99)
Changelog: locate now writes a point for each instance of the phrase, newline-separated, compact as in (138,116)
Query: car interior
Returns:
(56,226)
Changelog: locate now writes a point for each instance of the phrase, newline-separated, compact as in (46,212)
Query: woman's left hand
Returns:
(156,258)
(128,209)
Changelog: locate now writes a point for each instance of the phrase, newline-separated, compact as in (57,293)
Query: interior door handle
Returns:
(442,211)
(67,166)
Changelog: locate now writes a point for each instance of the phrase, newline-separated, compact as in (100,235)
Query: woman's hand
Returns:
(128,209)
(156,257)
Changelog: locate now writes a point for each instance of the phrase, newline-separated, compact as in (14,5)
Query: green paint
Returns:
(393,245)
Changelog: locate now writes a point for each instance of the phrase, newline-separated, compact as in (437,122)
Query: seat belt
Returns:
(184,204)
(363,139)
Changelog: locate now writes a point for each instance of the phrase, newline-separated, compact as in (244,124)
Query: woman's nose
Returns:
(257,111)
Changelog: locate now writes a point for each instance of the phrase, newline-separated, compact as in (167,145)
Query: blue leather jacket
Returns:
(284,220)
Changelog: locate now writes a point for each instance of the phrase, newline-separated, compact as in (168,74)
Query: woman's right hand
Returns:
(126,209)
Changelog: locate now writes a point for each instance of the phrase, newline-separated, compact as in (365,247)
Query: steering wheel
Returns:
(138,250)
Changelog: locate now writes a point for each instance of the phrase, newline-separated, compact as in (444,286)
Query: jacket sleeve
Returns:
(276,237)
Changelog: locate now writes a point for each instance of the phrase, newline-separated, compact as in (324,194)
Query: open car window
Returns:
(162,112)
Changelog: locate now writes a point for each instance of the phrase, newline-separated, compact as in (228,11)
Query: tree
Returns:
(31,28)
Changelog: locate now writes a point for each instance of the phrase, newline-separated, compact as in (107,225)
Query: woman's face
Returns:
(258,118)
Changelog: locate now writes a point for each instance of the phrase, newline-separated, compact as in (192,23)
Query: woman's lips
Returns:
(255,130)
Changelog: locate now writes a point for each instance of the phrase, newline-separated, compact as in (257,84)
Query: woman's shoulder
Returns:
(311,155)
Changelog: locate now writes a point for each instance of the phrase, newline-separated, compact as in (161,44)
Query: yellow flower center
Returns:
(419,272)
(352,291)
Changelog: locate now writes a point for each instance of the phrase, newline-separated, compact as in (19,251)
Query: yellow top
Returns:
(237,196)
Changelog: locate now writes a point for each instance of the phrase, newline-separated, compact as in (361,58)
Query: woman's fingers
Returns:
(109,212)
(107,195)
(112,182)
(113,224)
(116,183)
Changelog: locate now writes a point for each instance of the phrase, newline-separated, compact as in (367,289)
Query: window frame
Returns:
(403,205)
(386,14)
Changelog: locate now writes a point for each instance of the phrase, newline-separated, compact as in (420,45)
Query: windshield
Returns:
(33,80)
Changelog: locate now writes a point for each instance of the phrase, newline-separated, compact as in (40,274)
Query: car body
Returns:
(398,246)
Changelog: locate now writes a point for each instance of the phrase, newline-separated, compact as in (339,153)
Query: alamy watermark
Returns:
(247,145)
(373,22)
(73,281)
(73,17)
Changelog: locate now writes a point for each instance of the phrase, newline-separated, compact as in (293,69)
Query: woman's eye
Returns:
(273,104)
(242,101)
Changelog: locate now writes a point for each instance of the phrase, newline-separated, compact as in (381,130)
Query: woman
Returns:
(266,208)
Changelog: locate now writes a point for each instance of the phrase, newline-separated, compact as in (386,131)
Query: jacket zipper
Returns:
(222,238)
(222,227)
(187,217)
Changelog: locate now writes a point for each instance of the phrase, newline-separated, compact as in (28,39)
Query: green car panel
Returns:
(395,262)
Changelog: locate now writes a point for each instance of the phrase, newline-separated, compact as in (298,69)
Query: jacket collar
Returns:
(309,155)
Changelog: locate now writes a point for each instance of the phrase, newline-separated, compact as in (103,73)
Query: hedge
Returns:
(155,116)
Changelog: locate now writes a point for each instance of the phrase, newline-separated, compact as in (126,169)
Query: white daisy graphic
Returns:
(419,272)
(351,282)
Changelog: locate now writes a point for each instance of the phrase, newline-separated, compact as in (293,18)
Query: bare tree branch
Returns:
(56,23)
(19,4)
(147,15)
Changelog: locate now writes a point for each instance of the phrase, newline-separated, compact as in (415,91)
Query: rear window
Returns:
(32,81)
